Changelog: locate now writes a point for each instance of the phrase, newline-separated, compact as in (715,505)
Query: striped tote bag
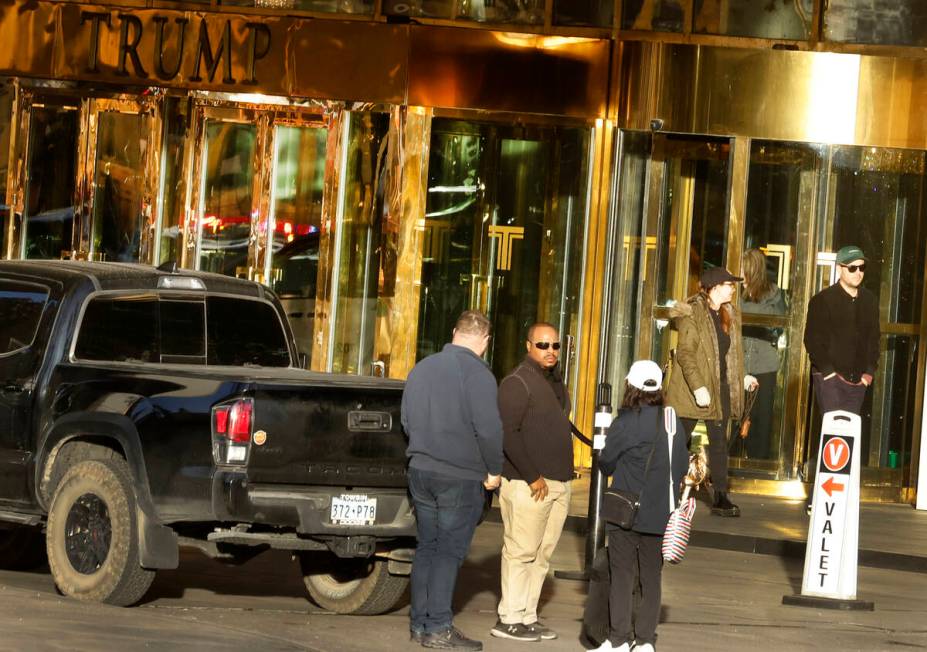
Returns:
(676,537)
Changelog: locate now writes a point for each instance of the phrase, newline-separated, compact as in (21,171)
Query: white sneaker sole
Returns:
(511,637)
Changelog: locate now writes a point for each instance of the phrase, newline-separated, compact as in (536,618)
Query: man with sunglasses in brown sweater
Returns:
(535,494)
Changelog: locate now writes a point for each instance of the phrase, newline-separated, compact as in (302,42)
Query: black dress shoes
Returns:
(723,506)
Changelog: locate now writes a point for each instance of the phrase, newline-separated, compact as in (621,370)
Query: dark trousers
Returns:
(760,437)
(717,440)
(596,618)
(447,510)
(837,394)
(831,394)
(634,557)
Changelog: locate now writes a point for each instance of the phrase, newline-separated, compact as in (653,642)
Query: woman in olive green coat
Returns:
(707,379)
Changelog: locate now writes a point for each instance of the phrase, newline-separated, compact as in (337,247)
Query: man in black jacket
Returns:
(842,340)
(535,494)
(449,412)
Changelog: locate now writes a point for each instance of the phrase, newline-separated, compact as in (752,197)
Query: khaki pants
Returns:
(532,529)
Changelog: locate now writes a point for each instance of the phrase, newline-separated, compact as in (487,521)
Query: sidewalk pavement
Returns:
(892,536)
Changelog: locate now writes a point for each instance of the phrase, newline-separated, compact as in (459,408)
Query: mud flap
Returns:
(157,544)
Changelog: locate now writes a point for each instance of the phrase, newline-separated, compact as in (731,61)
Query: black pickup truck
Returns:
(145,409)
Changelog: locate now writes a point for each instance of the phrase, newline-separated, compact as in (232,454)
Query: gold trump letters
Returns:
(171,44)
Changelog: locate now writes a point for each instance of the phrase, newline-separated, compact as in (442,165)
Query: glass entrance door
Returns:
(501,229)
(800,203)
(123,152)
(225,168)
(48,179)
(257,203)
(89,182)
(292,263)
(503,233)
(875,198)
(783,194)
(804,201)
(688,224)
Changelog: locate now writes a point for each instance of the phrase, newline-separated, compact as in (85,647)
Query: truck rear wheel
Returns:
(92,535)
(21,547)
(352,586)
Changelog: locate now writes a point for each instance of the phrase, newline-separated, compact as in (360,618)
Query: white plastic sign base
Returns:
(832,551)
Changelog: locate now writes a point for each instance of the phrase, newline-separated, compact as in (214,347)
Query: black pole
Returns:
(595,526)
(595,536)
(595,532)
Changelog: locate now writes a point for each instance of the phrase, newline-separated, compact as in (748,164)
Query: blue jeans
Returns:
(447,510)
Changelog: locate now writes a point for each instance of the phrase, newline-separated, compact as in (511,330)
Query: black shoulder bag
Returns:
(619,507)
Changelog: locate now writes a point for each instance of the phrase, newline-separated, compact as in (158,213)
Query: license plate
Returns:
(353,509)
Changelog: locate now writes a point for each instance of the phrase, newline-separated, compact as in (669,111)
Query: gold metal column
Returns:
(740,171)
(151,197)
(602,148)
(16,170)
(193,168)
(261,229)
(337,121)
(82,235)
(650,232)
(403,233)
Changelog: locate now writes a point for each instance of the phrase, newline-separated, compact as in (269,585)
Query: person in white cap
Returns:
(636,455)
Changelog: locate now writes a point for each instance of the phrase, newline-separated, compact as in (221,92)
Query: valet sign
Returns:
(833,536)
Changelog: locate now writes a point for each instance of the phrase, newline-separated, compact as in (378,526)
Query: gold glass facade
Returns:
(706,177)
(382,177)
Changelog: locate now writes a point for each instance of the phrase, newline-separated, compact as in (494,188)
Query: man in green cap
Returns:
(842,337)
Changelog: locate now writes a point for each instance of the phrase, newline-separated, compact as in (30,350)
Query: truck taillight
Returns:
(231,428)
(220,417)
(240,421)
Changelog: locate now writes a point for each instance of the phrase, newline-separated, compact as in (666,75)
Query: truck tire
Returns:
(21,547)
(92,535)
(361,587)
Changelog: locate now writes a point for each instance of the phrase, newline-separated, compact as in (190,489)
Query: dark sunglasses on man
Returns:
(854,268)
(543,346)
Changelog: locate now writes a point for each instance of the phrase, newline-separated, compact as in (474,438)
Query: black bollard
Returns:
(595,526)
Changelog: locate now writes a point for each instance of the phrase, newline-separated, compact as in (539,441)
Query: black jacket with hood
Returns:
(627,446)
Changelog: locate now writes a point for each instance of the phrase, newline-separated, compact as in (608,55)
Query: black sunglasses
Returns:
(853,268)
(545,345)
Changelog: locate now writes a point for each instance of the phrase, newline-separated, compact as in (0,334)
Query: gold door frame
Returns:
(794,427)
(264,253)
(89,109)
(265,117)
(151,193)
(196,153)
(677,257)
(27,99)
(813,232)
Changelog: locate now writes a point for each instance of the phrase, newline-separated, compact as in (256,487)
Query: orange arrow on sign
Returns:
(830,486)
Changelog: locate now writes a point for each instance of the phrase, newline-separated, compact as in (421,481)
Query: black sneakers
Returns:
(450,639)
(723,506)
(515,632)
(546,633)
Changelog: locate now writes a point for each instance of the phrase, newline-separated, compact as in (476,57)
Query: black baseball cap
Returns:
(717,276)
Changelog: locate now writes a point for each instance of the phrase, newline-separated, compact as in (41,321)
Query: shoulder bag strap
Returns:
(522,381)
(653,447)
(669,424)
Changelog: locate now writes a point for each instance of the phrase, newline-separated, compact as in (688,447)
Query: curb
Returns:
(787,548)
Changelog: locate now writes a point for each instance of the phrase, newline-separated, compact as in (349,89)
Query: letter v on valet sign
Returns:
(832,551)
